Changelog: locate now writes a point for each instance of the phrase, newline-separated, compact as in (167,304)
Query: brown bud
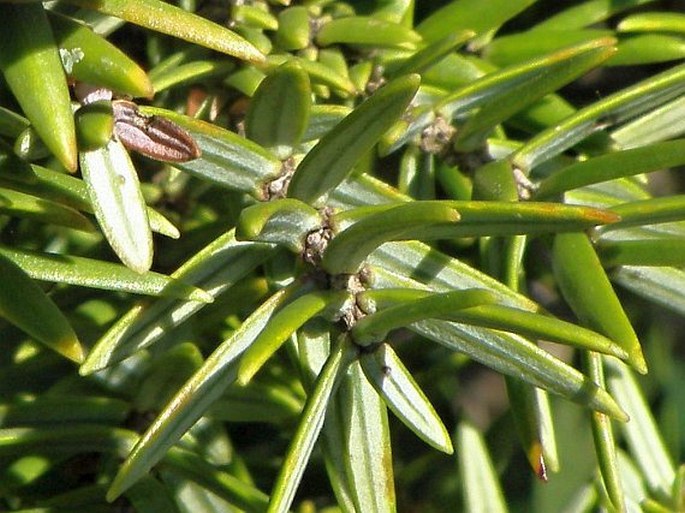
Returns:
(153,136)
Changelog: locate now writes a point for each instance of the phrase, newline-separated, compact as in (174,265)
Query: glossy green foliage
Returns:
(119,207)
(586,287)
(370,209)
(94,125)
(481,490)
(470,14)
(360,30)
(31,65)
(169,19)
(22,300)
(340,149)
(90,58)
(278,114)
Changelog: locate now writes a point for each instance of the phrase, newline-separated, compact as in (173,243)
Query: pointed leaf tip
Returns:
(588,291)
(31,65)
(537,460)
(24,304)
(72,349)
(391,379)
